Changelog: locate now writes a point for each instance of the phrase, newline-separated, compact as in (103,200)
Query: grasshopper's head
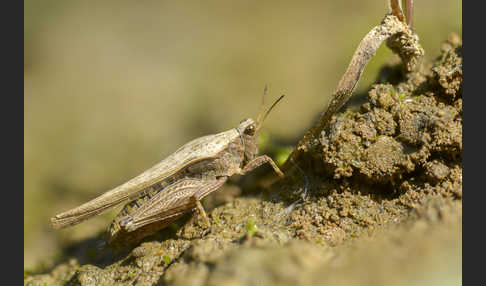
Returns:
(248,129)
(249,135)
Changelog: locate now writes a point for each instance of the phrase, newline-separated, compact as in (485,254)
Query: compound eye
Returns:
(250,130)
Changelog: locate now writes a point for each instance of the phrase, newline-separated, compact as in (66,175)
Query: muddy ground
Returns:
(377,201)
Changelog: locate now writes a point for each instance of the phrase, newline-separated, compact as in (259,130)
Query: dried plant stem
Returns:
(396,9)
(409,12)
(400,39)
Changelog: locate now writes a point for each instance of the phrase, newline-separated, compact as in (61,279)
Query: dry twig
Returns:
(400,39)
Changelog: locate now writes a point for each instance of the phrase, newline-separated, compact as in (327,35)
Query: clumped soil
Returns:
(376,201)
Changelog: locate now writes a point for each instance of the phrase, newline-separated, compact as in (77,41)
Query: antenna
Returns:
(262,105)
(259,124)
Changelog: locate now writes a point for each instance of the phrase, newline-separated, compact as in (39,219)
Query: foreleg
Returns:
(260,160)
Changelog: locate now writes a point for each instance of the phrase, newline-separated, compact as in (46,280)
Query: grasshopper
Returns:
(175,186)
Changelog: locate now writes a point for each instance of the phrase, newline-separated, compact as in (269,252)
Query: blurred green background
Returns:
(112,87)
